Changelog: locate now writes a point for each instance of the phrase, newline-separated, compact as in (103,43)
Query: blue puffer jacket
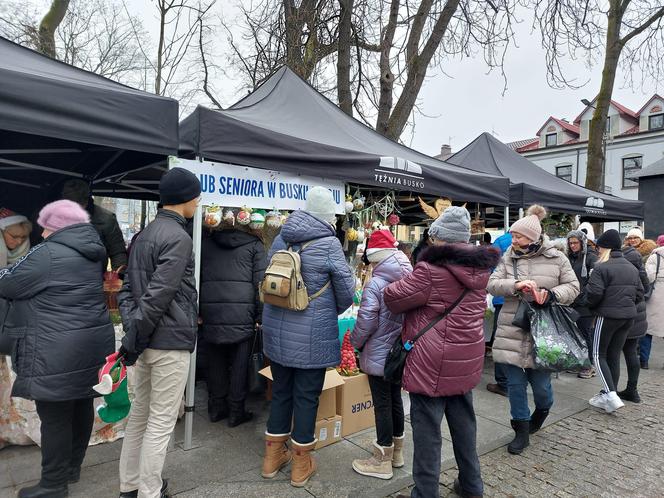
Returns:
(310,338)
(377,327)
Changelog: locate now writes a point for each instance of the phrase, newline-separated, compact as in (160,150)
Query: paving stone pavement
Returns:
(589,454)
(578,453)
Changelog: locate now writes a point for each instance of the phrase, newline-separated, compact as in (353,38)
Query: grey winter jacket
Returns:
(109,231)
(58,315)
(551,269)
(310,338)
(377,327)
(232,267)
(158,297)
(640,326)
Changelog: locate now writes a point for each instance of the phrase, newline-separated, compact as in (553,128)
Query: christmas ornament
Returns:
(351,235)
(348,206)
(113,386)
(358,203)
(360,235)
(348,366)
(212,216)
(393,219)
(244,216)
(257,220)
(273,219)
(228,217)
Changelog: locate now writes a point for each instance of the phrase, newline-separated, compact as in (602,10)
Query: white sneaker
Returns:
(600,400)
(613,402)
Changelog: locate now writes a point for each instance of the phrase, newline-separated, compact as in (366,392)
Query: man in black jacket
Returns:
(160,318)
(102,219)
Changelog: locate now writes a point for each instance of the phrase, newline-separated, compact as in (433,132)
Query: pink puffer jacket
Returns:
(448,359)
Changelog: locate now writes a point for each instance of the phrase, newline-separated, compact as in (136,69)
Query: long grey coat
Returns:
(377,327)
(310,338)
(551,269)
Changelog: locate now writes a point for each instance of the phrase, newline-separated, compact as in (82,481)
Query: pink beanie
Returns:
(61,214)
(660,240)
(530,226)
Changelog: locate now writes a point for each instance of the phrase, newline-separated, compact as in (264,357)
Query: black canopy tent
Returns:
(286,125)
(62,122)
(530,184)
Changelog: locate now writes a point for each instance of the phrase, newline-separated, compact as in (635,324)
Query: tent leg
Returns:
(189,397)
(520,213)
(507,219)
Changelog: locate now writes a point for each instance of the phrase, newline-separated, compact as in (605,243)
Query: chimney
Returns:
(445,151)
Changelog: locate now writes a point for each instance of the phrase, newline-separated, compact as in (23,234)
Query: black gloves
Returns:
(129,358)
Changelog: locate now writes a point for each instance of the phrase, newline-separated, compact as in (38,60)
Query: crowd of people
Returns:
(56,326)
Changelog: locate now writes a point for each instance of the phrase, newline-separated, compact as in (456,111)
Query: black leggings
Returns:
(609,339)
(632,361)
(388,409)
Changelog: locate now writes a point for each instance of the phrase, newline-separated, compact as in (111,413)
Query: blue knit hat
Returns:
(452,226)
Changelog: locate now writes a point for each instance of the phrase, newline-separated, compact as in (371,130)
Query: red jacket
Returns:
(448,359)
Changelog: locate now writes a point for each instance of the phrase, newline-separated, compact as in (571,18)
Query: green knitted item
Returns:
(116,405)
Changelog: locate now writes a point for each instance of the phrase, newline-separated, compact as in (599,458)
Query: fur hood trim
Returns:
(481,257)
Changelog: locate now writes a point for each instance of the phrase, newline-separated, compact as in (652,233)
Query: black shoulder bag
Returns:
(396,358)
(651,288)
(524,310)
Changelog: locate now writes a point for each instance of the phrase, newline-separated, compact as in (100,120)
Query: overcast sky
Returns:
(467,101)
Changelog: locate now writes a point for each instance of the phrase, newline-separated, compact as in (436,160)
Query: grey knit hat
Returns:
(452,226)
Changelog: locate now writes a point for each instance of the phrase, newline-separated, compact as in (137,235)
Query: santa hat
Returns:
(380,245)
(9,218)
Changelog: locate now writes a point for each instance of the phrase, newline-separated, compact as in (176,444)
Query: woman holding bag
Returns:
(531,270)
(446,362)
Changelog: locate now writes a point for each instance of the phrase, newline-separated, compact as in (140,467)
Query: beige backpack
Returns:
(283,285)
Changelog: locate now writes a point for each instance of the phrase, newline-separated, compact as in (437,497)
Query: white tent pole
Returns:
(190,393)
(520,213)
(507,218)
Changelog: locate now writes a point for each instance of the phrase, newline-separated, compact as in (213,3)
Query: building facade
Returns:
(632,141)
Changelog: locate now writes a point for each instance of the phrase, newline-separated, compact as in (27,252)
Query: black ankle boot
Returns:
(237,418)
(217,411)
(630,394)
(521,439)
(537,419)
(38,491)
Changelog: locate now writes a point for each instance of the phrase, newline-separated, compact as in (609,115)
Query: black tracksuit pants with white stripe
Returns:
(608,341)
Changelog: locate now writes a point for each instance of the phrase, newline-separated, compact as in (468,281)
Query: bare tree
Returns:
(381,49)
(614,33)
(49,24)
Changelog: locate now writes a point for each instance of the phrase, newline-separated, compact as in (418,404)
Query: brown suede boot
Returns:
(304,464)
(277,454)
(379,465)
(397,456)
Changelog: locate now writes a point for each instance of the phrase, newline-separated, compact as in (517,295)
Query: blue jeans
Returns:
(426,415)
(517,384)
(645,345)
(500,373)
(295,393)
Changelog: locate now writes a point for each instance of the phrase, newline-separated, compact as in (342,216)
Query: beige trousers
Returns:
(160,380)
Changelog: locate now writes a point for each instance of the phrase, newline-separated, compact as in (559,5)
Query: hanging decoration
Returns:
(273,219)
(244,216)
(228,217)
(212,216)
(393,219)
(358,203)
(434,212)
(257,220)
(348,205)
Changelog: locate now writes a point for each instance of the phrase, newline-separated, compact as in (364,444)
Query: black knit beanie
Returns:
(178,186)
(610,240)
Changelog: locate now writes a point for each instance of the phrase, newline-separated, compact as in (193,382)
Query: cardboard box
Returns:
(328,431)
(327,403)
(355,405)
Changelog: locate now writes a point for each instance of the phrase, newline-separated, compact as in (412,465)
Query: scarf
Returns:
(531,249)
(583,238)
(9,256)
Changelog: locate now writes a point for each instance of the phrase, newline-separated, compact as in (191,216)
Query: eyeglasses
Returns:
(19,238)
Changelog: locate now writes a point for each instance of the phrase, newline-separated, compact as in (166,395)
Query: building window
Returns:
(630,165)
(607,128)
(551,139)
(564,172)
(656,122)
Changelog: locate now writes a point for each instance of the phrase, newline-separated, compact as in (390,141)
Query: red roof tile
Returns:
(632,131)
(564,124)
(517,144)
(622,110)
(656,96)
(530,146)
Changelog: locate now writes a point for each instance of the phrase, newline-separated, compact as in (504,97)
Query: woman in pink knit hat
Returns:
(63,334)
(532,270)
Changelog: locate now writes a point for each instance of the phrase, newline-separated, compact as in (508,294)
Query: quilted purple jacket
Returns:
(377,327)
